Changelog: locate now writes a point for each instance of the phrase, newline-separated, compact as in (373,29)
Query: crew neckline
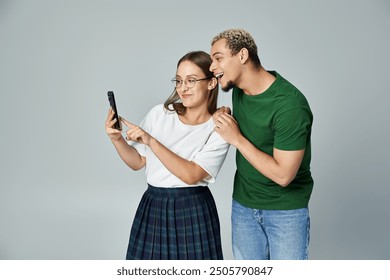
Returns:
(193,125)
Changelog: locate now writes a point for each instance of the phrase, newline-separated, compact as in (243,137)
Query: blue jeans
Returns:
(270,234)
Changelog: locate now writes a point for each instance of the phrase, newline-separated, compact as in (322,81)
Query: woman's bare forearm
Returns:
(129,154)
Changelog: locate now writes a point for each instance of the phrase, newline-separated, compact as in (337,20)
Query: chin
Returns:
(229,85)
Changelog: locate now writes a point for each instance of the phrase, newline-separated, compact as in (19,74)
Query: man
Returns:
(271,128)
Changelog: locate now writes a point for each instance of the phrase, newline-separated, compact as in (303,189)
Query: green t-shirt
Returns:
(278,118)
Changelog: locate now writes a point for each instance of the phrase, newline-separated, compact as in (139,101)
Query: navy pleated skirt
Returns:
(176,224)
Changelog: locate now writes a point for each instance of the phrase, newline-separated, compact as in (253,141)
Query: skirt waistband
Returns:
(174,192)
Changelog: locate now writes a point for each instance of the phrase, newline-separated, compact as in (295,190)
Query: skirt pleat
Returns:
(176,224)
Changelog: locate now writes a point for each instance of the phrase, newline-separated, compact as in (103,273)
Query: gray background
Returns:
(64,192)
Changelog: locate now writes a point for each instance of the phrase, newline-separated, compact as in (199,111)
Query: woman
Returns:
(177,216)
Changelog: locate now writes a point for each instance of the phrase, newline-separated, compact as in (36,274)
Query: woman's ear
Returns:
(212,84)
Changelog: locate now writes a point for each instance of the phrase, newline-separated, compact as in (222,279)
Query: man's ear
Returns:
(243,55)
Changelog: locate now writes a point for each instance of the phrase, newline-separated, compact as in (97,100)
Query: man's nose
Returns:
(212,67)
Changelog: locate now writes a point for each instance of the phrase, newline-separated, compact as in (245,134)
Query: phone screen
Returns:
(111,99)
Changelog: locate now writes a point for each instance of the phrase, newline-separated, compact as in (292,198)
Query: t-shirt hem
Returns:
(289,148)
(259,206)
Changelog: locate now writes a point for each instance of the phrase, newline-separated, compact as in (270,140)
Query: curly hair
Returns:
(237,39)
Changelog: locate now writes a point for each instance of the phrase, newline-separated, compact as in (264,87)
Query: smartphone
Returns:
(111,99)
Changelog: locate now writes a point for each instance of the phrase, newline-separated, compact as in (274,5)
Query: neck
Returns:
(194,116)
(256,81)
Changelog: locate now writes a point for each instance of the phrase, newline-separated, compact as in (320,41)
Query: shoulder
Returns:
(159,110)
(218,140)
(288,95)
(282,85)
(158,114)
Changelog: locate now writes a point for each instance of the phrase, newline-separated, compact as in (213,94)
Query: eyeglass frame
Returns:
(174,80)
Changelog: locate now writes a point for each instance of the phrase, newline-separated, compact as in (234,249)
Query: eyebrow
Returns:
(214,54)
(190,75)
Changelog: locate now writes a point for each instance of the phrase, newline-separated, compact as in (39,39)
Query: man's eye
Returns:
(191,81)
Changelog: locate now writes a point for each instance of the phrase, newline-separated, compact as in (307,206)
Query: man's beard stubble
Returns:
(228,86)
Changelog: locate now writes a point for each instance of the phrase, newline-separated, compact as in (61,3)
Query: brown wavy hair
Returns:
(203,61)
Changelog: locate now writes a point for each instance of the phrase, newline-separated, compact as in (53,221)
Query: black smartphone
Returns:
(111,98)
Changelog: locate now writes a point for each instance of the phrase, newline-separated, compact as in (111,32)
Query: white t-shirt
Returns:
(197,143)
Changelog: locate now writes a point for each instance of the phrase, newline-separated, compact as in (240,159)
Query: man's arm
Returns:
(281,168)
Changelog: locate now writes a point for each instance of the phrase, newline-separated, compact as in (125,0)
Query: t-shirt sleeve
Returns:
(146,125)
(292,128)
(212,156)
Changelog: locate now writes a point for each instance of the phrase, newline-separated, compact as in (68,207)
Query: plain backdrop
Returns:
(65,193)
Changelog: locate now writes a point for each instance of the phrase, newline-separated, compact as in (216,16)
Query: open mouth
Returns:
(219,75)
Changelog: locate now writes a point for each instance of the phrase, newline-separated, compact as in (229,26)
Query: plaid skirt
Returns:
(176,224)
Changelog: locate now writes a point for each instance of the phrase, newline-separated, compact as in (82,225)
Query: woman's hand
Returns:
(137,134)
(113,133)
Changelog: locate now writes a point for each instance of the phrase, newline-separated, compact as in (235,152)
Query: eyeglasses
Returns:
(188,82)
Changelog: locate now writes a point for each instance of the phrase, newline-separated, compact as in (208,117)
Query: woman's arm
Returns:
(127,153)
(187,171)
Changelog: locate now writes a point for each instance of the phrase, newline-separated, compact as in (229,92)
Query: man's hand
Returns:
(220,111)
(227,127)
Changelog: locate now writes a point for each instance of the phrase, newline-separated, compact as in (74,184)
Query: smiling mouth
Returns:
(219,75)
